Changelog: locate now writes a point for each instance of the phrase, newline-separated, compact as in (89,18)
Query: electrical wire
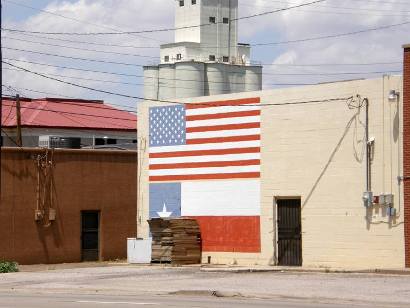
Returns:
(171,29)
(271,84)
(73,19)
(83,105)
(11,139)
(308,39)
(142,65)
(140,98)
(82,78)
(73,58)
(347,8)
(83,49)
(315,38)
(41,92)
(84,42)
(262,64)
(370,12)
(73,113)
(140,84)
(73,68)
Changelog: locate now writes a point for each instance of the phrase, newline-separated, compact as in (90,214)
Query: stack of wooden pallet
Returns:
(175,241)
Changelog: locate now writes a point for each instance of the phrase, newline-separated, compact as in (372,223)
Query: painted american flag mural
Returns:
(204,162)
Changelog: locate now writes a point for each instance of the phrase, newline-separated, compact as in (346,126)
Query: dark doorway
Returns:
(289,232)
(90,234)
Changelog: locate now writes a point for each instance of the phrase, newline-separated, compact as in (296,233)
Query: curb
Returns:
(303,270)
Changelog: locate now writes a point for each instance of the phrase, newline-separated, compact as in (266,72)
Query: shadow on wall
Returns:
(357,154)
(359,145)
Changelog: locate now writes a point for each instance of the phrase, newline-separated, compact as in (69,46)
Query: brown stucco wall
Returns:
(406,150)
(83,180)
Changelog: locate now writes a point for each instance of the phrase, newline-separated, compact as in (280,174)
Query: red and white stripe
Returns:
(222,142)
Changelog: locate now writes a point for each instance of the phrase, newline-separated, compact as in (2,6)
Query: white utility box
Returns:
(139,251)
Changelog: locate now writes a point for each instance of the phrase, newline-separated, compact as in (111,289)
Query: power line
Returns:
(73,98)
(192,80)
(83,49)
(73,19)
(11,139)
(315,38)
(76,104)
(73,113)
(74,84)
(141,65)
(170,29)
(263,64)
(382,2)
(62,113)
(84,42)
(128,83)
(331,64)
(73,58)
(113,93)
(73,68)
(131,75)
(355,12)
(82,78)
(350,8)
(35,91)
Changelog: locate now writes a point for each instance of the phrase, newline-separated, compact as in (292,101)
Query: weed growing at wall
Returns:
(8,267)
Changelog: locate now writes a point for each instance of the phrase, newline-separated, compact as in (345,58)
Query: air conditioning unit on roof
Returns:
(58,142)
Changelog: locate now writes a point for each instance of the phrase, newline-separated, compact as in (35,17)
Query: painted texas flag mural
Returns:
(204,162)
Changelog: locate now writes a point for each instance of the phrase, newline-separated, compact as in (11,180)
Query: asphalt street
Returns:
(161,286)
(13,300)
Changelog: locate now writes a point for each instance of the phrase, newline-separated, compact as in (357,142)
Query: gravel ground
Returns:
(128,280)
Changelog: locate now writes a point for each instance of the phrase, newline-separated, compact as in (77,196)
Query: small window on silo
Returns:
(181,3)
(166,59)
(212,58)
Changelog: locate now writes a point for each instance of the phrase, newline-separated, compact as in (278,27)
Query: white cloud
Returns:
(98,16)
(328,19)
(321,19)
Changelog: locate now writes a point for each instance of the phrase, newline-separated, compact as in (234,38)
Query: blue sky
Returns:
(331,17)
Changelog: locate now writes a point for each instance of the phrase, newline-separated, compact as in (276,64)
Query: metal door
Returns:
(90,233)
(289,232)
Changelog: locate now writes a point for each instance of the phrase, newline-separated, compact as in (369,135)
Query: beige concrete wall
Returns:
(315,152)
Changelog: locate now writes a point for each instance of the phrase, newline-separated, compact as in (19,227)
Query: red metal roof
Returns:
(67,113)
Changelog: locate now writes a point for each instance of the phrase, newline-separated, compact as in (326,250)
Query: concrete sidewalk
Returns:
(211,268)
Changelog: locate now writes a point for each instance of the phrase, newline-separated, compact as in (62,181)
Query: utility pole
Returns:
(18,116)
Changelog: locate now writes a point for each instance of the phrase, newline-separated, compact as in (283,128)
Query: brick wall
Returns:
(83,180)
(406,149)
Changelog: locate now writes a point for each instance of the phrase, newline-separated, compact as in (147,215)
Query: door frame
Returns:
(98,212)
(276,224)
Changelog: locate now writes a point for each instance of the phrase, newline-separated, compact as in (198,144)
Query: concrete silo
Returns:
(166,81)
(151,82)
(189,79)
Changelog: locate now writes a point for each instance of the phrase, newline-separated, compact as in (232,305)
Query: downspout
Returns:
(368,179)
(367,195)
